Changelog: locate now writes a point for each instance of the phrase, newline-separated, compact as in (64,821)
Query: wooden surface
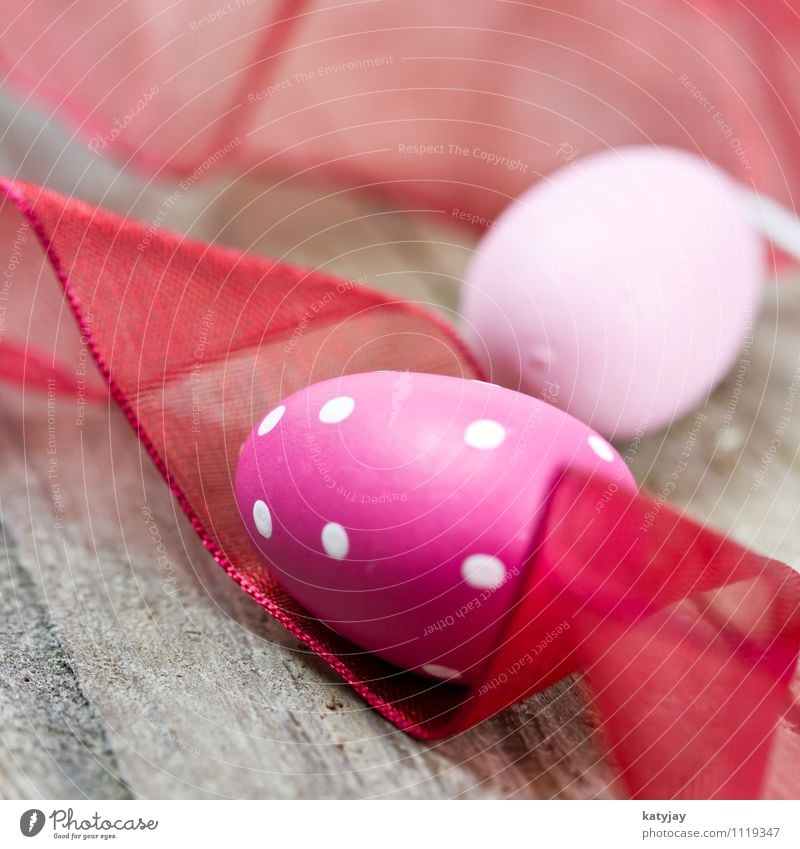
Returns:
(122,675)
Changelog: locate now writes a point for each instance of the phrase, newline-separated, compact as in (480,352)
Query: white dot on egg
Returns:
(270,420)
(437,671)
(337,409)
(600,447)
(335,540)
(485,434)
(263,519)
(483,571)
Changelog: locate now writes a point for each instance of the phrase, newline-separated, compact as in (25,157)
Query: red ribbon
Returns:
(498,93)
(687,641)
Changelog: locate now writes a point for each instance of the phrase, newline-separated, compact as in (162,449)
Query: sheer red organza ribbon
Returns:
(688,642)
(451,106)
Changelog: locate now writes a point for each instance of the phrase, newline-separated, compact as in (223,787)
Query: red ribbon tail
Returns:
(687,641)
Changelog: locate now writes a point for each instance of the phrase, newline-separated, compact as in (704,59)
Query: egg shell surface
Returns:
(621,287)
(401,509)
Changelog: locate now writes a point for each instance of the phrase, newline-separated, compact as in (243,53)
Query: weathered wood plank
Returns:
(53,742)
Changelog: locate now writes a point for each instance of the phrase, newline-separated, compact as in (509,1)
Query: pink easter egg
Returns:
(621,287)
(401,509)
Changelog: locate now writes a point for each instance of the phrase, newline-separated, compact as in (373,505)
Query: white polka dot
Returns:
(263,519)
(270,420)
(484,434)
(600,447)
(337,409)
(483,571)
(437,671)
(335,540)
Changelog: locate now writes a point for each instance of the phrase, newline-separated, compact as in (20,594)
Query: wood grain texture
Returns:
(127,671)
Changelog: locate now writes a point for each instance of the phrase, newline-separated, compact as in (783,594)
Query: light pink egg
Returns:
(621,287)
(401,508)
